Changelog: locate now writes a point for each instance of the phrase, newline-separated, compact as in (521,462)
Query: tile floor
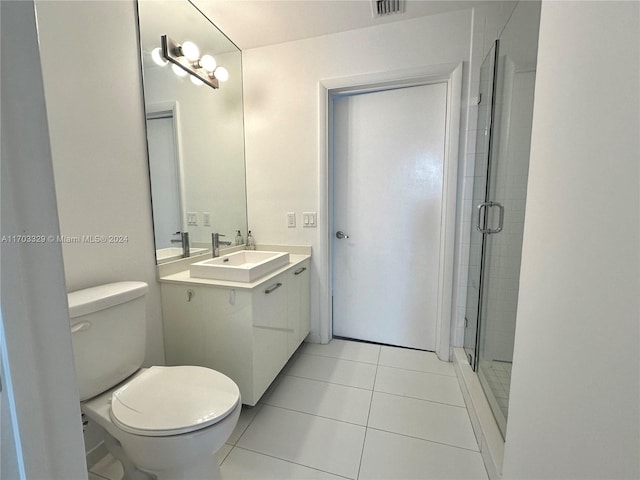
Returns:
(352,410)
(498,375)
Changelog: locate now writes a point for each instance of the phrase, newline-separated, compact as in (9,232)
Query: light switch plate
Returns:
(206,219)
(192,219)
(291,220)
(309,219)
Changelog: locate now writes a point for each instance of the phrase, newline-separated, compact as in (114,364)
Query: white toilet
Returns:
(165,421)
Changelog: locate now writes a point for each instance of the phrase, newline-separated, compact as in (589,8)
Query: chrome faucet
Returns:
(216,242)
(184,241)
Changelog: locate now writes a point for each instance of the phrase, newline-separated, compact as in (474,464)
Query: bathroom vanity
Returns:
(246,330)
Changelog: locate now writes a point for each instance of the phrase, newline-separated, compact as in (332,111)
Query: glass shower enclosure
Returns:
(505,112)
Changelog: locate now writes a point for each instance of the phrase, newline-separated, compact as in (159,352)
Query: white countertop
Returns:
(184,278)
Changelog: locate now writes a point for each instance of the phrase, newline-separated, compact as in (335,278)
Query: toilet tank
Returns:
(108,332)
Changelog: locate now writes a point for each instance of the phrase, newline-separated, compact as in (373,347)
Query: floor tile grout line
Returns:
(381,364)
(315,415)
(337,358)
(426,440)
(332,383)
(418,371)
(249,424)
(364,441)
(422,399)
(329,383)
(227,455)
(294,463)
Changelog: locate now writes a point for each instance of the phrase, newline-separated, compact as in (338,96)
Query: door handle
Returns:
(341,235)
(500,218)
(480,207)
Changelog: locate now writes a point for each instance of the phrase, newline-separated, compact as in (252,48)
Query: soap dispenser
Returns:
(239,239)
(251,244)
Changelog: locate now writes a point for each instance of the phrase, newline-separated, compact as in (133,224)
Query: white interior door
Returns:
(387,198)
(165,180)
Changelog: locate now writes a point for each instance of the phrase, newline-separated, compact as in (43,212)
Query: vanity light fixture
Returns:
(186,59)
(156,55)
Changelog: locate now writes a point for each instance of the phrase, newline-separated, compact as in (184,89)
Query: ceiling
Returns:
(256,23)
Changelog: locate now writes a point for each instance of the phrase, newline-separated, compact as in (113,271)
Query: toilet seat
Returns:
(164,401)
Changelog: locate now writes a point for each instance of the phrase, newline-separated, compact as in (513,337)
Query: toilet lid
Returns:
(165,401)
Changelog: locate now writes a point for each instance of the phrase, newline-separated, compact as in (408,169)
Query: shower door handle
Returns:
(480,208)
(500,217)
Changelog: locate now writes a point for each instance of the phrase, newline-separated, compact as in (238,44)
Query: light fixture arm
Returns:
(171,51)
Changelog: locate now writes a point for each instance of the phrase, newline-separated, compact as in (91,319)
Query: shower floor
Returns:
(496,381)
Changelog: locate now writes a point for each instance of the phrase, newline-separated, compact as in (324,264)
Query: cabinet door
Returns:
(270,303)
(298,306)
(184,329)
(269,356)
(227,319)
(269,333)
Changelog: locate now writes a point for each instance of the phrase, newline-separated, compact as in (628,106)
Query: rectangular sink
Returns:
(244,266)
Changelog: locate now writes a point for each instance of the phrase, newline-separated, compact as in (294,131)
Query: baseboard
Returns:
(485,428)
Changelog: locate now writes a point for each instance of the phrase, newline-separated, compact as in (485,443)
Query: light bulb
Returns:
(178,71)
(208,63)
(196,81)
(221,74)
(190,50)
(156,55)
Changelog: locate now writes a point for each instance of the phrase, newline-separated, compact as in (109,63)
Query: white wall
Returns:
(283,135)
(574,409)
(91,70)
(37,363)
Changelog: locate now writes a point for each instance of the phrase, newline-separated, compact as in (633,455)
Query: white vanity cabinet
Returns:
(246,332)
(298,310)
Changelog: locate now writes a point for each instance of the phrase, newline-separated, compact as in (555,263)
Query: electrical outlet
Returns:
(291,220)
(206,219)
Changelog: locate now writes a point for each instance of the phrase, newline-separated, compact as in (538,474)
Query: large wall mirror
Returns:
(195,133)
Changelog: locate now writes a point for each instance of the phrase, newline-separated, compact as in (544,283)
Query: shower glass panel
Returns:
(499,214)
(481,174)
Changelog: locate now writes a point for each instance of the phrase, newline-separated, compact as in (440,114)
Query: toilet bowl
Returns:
(169,421)
(164,421)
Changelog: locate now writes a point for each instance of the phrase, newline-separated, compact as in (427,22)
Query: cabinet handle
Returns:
(299,271)
(272,288)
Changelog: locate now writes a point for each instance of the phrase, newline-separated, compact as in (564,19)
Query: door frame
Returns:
(165,110)
(451,74)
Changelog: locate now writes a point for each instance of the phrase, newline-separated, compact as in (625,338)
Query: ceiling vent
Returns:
(382,8)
